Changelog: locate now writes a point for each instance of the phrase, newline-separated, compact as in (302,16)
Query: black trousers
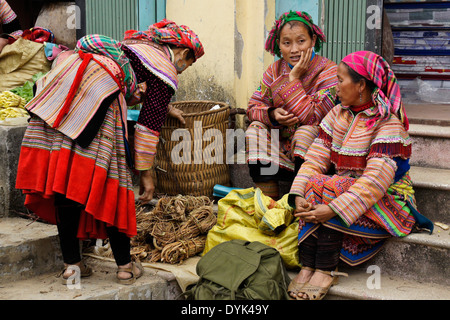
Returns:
(68,216)
(322,249)
(281,175)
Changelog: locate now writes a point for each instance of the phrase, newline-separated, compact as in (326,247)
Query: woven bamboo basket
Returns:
(194,177)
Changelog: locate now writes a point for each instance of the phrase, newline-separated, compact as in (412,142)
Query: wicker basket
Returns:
(197,179)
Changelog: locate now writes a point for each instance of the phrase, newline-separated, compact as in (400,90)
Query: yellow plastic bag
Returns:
(249,215)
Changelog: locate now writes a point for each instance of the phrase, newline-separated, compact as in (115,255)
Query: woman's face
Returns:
(348,92)
(182,62)
(294,40)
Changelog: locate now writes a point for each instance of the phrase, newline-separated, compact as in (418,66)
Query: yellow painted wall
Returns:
(233,33)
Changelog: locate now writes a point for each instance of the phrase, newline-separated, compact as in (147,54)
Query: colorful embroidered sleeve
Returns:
(366,191)
(317,160)
(6,13)
(312,106)
(261,101)
(310,103)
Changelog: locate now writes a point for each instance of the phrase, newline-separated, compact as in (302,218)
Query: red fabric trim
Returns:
(87,57)
(106,203)
(391,150)
(348,162)
(362,107)
(325,137)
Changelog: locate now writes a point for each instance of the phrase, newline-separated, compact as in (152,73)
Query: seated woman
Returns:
(296,92)
(348,216)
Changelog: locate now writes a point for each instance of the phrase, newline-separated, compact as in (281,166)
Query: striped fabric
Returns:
(108,47)
(156,61)
(6,13)
(52,91)
(145,145)
(309,99)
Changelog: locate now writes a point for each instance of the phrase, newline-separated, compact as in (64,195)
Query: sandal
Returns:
(294,287)
(74,278)
(130,270)
(318,293)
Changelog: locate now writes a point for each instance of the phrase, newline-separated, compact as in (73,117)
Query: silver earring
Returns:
(360,97)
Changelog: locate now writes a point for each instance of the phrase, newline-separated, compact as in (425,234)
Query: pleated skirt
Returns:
(97,177)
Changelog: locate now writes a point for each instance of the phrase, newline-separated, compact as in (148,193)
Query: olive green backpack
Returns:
(240,270)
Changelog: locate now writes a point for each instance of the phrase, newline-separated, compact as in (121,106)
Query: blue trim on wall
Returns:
(312,7)
(150,12)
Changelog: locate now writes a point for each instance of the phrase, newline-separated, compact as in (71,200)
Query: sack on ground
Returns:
(240,270)
(248,214)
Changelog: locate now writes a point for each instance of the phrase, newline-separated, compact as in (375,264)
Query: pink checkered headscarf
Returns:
(168,32)
(376,69)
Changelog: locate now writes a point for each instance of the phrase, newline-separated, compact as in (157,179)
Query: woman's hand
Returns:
(319,214)
(301,205)
(3,43)
(147,187)
(177,114)
(302,66)
(283,117)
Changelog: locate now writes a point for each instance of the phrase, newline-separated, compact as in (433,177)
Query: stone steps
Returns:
(30,267)
(415,267)
(432,187)
(431,146)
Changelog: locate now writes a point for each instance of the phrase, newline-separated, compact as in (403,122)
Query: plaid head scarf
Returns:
(272,40)
(168,32)
(111,48)
(387,95)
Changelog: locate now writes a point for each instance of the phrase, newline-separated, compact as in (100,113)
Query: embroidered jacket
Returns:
(377,157)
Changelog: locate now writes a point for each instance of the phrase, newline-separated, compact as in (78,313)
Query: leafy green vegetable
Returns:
(26,91)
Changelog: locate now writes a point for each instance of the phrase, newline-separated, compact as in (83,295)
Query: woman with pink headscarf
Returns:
(75,162)
(349,215)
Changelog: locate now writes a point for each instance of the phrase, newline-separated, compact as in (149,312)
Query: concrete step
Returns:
(431,145)
(101,285)
(418,257)
(432,187)
(412,268)
(27,249)
(411,262)
(361,285)
(429,114)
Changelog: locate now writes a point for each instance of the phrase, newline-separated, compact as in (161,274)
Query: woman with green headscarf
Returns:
(296,93)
